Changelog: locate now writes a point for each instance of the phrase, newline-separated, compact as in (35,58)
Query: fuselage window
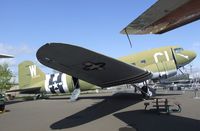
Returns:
(133,63)
(178,50)
(143,61)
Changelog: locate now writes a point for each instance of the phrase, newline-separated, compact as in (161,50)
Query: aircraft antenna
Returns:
(128,37)
(174,58)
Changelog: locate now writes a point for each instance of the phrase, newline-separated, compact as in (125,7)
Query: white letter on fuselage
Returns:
(160,54)
(156,56)
(166,55)
(32,69)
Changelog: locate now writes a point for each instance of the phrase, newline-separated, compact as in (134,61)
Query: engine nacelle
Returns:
(164,74)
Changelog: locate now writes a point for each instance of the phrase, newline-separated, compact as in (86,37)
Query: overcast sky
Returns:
(26,25)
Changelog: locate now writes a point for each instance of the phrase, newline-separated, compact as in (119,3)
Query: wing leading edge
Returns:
(90,66)
(6,56)
(163,16)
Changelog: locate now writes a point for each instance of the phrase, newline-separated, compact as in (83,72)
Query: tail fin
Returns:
(29,75)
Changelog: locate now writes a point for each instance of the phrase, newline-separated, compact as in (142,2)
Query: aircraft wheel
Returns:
(2,107)
(144,91)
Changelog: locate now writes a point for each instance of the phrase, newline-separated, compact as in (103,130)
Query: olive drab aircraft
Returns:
(103,71)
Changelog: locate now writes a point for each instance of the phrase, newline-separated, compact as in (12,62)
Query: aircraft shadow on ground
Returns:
(150,121)
(80,97)
(108,97)
(108,106)
(168,94)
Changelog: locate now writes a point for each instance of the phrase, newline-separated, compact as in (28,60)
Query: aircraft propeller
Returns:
(174,58)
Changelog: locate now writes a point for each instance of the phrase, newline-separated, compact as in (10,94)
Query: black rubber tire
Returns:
(2,107)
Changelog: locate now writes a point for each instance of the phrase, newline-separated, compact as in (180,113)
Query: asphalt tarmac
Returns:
(100,112)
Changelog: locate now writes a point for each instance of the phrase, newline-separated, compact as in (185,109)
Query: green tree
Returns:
(5,77)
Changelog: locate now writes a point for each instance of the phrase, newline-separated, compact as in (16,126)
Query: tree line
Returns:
(5,77)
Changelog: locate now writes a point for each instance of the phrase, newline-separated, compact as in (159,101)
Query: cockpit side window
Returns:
(178,50)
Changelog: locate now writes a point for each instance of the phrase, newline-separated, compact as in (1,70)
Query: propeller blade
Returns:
(181,71)
(174,58)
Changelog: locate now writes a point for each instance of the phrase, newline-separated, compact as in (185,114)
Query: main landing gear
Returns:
(145,90)
(75,94)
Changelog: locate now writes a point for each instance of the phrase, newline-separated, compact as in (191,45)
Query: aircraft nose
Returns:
(192,55)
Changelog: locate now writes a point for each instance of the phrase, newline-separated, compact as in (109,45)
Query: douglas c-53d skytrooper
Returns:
(103,71)
(88,69)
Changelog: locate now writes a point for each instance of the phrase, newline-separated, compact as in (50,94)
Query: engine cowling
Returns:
(164,74)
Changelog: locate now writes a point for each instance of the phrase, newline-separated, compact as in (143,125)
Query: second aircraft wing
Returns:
(163,16)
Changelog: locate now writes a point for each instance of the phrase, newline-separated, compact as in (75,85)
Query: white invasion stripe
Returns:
(64,81)
(46,84)
(55,78)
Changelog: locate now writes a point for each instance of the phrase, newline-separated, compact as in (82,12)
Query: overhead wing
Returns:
(32,90)
(163,16)
(5,56)
(89,66)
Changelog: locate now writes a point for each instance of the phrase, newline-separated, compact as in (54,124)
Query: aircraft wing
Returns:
(32,90)
(90,66)
(5,56)
(163,16)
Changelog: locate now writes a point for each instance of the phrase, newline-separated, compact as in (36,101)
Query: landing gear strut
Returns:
(75,94)
(145,90)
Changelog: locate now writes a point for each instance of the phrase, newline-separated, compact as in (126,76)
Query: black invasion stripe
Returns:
(60,87)
(51,83)
(76,83)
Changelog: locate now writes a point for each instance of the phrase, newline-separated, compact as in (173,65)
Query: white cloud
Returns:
(20,53)
(15,50)
(196,46)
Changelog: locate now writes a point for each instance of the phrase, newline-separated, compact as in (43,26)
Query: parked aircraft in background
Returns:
(6,56)
(103,71)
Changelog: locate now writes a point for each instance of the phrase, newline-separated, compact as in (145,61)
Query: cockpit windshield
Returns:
(178,50)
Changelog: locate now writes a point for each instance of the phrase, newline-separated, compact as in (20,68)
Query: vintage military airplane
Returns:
(104,71)
(89,70)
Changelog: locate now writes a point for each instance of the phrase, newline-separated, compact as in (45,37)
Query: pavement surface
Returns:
(100,112)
